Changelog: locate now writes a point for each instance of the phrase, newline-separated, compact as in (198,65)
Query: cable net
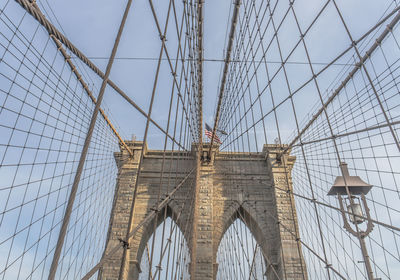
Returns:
(314,79)
(44,117)
(320,77)
(239,256)
(172,259)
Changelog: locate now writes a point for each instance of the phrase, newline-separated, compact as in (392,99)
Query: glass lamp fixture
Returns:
(354,188)
(357,216)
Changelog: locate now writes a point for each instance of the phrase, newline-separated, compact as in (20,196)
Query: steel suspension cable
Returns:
(53,31)
(85,148)
(225,71)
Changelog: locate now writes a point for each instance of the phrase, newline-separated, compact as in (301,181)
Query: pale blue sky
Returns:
(92,25)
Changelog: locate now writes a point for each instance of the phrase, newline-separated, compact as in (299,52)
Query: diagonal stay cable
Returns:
(88,91)
(74,189)
(165,144)
(133,203)
(347,133)
(367,55)
(298,239)
(387,30)
(366,72)
(133,231)
(340,210)
(179,30)
(52,30)
(327,65)
(163,37)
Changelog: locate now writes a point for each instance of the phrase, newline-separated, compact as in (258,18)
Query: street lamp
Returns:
(355,188)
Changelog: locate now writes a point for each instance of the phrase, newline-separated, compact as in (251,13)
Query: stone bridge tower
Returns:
(254,187)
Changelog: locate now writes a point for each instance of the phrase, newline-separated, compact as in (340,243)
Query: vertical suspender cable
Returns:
(225,71)
(52,30)
(357,67)
(85,148)
(89,92)
(200,68)
(193,241)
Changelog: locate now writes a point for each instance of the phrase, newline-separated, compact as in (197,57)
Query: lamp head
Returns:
(354,183)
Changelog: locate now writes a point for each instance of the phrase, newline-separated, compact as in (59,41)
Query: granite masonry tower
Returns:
(254,187)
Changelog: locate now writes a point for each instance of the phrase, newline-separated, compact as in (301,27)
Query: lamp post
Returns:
(355,188)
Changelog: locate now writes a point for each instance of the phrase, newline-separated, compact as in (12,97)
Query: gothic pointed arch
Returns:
(144,236)
(261,229)
(239,255)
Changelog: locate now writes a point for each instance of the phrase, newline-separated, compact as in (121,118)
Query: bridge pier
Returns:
(203,265)
(253,187)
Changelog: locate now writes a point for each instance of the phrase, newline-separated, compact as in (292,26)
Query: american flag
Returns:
(208,132)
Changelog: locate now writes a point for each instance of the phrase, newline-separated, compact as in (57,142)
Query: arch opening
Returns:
(166,254)
(239,256)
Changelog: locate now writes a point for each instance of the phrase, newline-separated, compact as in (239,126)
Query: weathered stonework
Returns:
(254,187)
